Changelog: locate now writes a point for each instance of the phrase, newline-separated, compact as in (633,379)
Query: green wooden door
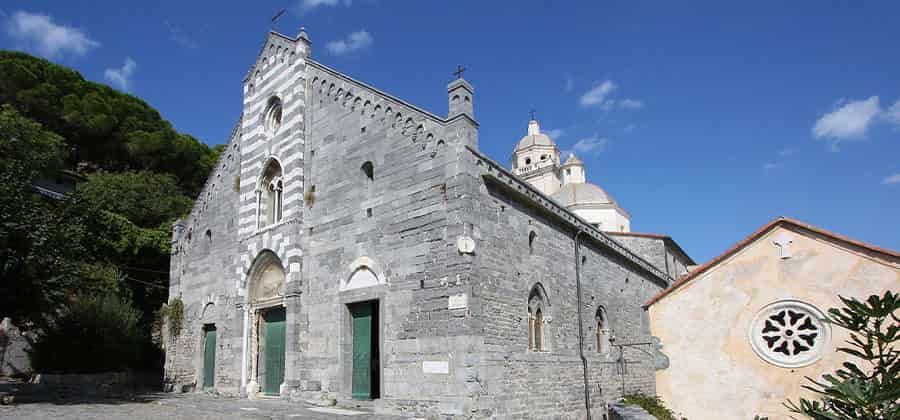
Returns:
(363,339)
(209,356)
(274,351)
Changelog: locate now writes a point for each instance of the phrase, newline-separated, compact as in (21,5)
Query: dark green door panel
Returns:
(365,358)
(209,356)
(274,350)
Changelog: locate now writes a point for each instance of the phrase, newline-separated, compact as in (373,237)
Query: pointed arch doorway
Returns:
(267,319)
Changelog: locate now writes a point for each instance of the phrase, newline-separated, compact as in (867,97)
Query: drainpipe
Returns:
(584,364)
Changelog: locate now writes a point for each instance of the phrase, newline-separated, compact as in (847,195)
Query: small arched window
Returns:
(536,311)
(528,161)
(531,238)
(602,332)
(368,170)
(272,115)
(269,195)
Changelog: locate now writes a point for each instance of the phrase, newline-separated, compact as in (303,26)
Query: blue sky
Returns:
(703,119)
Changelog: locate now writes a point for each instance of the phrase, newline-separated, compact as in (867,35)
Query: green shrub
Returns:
(868,385)
(172,314)
(653,405)
(93,334)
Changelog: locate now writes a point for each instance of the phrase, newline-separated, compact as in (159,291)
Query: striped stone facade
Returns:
(444,236)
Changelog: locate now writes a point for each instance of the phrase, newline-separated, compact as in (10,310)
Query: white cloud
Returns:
(587,146)
(598,94)
(771,165)
(554,133)
(39,33)
(893,179)
(355,41)
(177,35)
(121,77)
(306,5)
(849,122)
(630,104)
(893,113)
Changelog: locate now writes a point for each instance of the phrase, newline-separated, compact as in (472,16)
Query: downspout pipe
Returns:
(584,363)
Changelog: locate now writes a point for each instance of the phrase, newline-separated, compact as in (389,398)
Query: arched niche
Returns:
(266,280)
(363,272)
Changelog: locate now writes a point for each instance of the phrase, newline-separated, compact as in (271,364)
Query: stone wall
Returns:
(402,224)
(657,249)
(620,411)
(516,382)
(706,326)
(453,320)
(13,350)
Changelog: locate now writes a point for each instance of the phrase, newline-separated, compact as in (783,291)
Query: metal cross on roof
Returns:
(459,71)
(275,19)
(532,114)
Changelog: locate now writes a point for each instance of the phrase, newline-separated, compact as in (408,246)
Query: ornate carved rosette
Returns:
(789,333)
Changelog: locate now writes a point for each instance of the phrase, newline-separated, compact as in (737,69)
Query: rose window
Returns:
(789,333)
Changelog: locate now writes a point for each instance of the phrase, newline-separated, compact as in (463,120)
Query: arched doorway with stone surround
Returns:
(362,292)
(266,339)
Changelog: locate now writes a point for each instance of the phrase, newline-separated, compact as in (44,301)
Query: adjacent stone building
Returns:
(352,246)
(743,331)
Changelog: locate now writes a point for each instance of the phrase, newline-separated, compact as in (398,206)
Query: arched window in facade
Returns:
(269,195)
(602,331)
(368,170)
(272,115)
(536,312)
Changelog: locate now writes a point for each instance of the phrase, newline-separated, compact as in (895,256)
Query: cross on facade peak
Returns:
(532,115)
(459,71)
(783,242)
(275,19)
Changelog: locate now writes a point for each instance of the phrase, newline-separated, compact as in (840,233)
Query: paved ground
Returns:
(176,406)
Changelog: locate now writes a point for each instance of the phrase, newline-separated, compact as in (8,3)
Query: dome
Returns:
(534,137)
(573,160)
(581,193)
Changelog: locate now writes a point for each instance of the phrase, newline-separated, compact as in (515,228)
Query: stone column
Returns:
(291,383)
(251,346)
(244,315)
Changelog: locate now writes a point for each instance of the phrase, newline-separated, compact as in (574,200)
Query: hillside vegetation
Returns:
(111,238)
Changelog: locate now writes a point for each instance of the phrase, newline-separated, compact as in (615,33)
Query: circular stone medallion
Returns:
(789,333)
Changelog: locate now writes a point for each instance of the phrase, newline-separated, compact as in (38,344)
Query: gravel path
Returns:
(176,406)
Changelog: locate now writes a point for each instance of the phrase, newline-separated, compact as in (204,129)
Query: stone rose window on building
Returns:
(272,115)
(789,334)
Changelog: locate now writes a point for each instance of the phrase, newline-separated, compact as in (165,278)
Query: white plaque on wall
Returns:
(441,367)
(460,301)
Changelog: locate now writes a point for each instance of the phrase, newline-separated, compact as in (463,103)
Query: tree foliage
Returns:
(870,388)
(112,236)
(100,333)
(103,128)
(145,198)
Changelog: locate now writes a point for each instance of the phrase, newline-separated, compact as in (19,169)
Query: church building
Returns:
(352,248)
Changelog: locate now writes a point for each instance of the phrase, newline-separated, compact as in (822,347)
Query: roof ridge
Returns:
(734,249)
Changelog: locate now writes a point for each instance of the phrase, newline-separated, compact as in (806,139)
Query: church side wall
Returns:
(517,382)
(202,266)
(402,225)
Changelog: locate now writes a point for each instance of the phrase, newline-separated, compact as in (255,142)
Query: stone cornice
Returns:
(495,173)
(317,65)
